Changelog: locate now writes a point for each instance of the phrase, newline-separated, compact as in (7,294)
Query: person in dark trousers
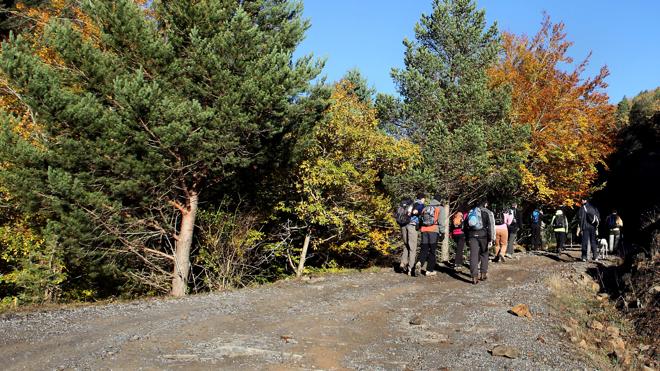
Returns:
(588,221)
(513,230)
(559,224)
(409,233)
(458,235)
(536,224)
(432,221)
(479,236)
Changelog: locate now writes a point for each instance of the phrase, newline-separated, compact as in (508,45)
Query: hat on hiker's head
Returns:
(559,212)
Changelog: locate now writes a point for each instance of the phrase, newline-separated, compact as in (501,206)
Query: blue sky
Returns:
(368,35)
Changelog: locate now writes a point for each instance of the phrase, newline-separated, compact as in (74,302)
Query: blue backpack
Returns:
(536,217)
(474,220)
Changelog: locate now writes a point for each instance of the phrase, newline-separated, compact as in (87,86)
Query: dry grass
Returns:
(583,311)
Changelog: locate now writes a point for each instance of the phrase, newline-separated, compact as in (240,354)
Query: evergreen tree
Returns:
(451,111)
(360,86)
(145,116)
(622,113)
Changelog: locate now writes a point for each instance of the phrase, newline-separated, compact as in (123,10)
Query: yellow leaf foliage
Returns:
(338,181)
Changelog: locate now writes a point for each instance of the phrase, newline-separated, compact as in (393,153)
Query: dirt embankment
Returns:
(368,320)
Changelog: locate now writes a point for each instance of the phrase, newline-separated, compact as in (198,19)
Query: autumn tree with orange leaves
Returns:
(571,120)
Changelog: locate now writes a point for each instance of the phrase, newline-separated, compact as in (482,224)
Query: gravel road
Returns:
(333,322)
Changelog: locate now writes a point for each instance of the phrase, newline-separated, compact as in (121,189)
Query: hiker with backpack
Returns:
(537,224)
(432,222)
(513,229)
(458,235)
(480,236)
(502,221)
(407,216)
(588,221)
(614,226)
(559,224)
(408,231)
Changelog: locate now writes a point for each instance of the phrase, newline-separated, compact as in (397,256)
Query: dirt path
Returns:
(347,321)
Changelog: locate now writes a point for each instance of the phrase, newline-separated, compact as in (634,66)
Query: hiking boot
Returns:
(509,256)
(475,280)
(484,276)
(428,274)
(502,258)
(584,260)
(496,259)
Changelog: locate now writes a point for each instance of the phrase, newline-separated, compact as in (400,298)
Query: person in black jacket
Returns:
(480,233)
(588,218)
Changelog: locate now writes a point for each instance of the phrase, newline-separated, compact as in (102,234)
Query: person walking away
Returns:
(614,226)
(513,230)
(477,226)
(491,227)
(588,221)
(409,256)
(432,219)
(502,221)
(559,224)
(536,221)
(408,234)
(458,235)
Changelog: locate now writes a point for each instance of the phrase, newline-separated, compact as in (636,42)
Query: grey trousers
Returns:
(512,239)
(409,255)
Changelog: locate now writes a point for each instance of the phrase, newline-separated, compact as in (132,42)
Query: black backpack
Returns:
(612,221)
(560,221)
(514,221)
(402,215)
(499,218)
(591,215)
(428,216)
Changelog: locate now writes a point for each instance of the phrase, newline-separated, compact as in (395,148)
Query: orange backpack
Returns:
(457,220)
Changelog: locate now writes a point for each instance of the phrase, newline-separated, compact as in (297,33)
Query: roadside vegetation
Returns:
(175,147)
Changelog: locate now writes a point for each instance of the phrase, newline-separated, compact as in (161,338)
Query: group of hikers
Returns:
(485,231)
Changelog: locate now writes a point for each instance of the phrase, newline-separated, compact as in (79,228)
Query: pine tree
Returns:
(451,111)
(141,119)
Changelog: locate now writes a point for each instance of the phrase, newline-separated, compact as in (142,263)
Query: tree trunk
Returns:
(444,256)
(303,255)
(183,246)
